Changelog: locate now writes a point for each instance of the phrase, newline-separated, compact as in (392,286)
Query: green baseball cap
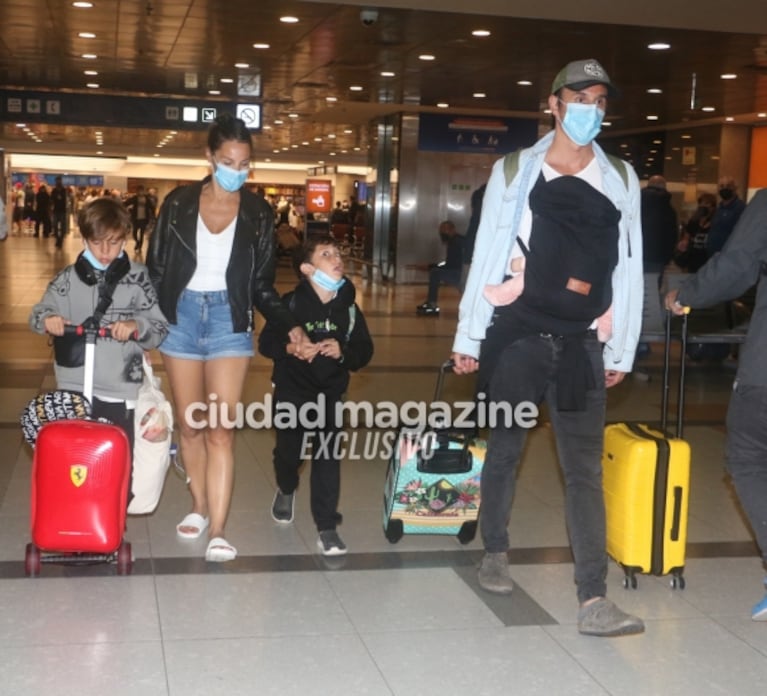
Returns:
(583,73)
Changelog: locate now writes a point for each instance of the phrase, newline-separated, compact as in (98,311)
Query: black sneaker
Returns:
(283,507)
(427,308)
(330,544)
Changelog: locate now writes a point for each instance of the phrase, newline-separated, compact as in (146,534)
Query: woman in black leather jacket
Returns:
(211,260)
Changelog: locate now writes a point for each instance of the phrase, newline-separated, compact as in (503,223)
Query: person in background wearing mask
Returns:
(533,347)
(211,259)
(691,249)
(725,218)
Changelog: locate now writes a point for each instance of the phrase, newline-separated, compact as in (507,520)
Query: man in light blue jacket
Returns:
(566,227)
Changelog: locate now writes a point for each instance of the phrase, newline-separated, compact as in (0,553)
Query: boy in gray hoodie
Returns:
(73,296)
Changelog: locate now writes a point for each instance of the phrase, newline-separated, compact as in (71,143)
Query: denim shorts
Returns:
(203,329)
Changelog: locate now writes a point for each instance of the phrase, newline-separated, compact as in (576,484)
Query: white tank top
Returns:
(213,252)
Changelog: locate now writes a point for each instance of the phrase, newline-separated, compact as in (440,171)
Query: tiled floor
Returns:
(387,619)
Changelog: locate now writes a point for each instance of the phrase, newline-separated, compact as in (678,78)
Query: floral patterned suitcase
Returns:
(435,491)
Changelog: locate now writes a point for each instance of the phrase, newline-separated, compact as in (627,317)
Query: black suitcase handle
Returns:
(666,376)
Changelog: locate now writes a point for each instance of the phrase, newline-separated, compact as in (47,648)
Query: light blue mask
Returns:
(582,122)
(325,281)
(92,260)
(230,179)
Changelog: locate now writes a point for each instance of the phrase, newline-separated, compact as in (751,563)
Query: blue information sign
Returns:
(450,133)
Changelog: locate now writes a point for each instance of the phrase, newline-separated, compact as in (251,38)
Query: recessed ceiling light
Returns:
(442,105)
(729,118)
(624,145)
(89,56)
(652,117)
(90,72)
(762,115)
(261,46)
(226,80)
(426,56)
(728,76)
(289,19)
(242,66)
(87,35)
(331,99)
(659,46)
(267,127)
(355,88)
(654,90)
(479,95)
(304,142)
(708,108)
(607,123)
(82,5)
(318,139)
(331,135)
(92,85)
(278,121)
(156,154)
(293,115)
(524,83)
(348,131)
(480,32)
(214,92)
(686,136)
(387,73)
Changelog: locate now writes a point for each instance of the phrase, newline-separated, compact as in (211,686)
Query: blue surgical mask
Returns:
(229,179)
(325,281)
(582,122)
(93,261)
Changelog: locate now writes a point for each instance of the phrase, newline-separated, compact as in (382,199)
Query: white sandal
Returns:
(194,521)
(220,550)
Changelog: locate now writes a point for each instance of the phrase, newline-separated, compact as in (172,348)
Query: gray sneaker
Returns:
(603,618)
(494,575)
(330,544)
(283,507)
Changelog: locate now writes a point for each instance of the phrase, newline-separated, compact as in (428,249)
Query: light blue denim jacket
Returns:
(501,214)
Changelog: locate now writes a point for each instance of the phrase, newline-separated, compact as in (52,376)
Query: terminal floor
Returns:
(388,618)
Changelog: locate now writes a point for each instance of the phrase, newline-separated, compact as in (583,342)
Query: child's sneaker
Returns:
(330,544)
(759,612)
(283,507)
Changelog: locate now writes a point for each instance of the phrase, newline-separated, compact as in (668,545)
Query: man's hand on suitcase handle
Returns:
(673,305)
(464,364)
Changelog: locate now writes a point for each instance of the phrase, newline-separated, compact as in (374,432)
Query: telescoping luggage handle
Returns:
(666,375)
(449,364)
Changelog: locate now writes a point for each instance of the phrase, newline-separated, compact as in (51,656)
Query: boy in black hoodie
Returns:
(323,304)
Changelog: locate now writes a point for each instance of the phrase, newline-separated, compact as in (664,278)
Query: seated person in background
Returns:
(448,272)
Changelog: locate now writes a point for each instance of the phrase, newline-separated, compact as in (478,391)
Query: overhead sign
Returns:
(114,110)
(251,114)
(446,133)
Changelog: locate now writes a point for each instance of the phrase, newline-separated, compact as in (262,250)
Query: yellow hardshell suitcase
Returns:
(646,481)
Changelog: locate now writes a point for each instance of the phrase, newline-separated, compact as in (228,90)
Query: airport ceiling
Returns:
(326,76)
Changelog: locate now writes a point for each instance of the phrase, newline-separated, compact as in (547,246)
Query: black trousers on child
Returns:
(117,413)
(316,436)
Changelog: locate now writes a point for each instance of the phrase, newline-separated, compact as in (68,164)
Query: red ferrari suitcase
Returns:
(646,477)
(80,480)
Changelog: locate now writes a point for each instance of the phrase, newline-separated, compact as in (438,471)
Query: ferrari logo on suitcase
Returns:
(77,474)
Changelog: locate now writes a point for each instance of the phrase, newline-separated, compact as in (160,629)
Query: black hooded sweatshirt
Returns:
(299,379)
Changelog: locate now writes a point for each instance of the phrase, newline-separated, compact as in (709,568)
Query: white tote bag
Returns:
(153,424)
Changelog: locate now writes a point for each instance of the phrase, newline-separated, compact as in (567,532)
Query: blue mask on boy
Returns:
(229,179)
(93,261)
(325,281)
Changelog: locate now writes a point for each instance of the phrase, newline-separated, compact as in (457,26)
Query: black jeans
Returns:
(122,417)
(527,371)
(439,275)
(746,455)
(294,444)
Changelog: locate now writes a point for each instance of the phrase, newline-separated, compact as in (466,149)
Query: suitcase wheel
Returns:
(394,531)
(677,580)
(629,579)
(124,559)
(467,532)
(32,561)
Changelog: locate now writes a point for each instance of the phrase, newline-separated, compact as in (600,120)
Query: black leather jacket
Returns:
(172,257)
